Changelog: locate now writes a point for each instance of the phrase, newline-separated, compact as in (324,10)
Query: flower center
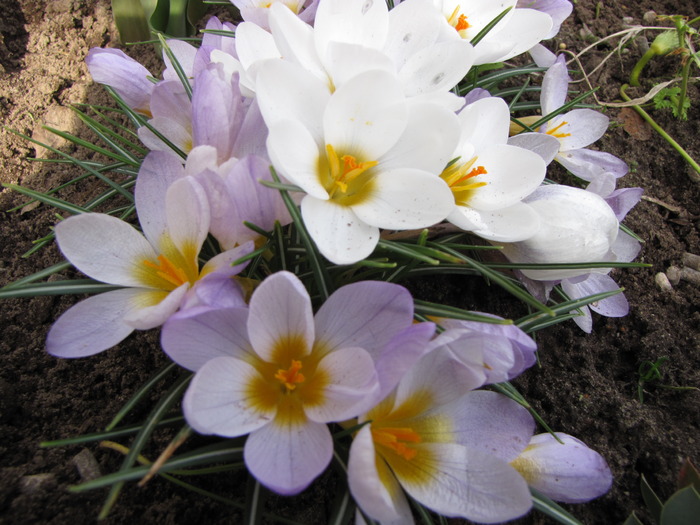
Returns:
(458,21)
(458,178)
(173,275)
(291,377)
(345,179)
(397,439)
(553,131)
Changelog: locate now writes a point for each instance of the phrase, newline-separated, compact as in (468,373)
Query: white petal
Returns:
(287,454)
(188,217)
(152,308)
(438,67)
(403,199)
(220,400)
(584,127)
(512,224)
(555,85)
(104,248)
(92,325)
(280,314)
(544,145)
(339,234)
(484,123)
(363,23)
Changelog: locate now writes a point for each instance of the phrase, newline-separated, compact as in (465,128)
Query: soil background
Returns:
(586,385)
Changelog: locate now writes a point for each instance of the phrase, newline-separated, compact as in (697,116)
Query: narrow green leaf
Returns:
(551,509)
(651,500)
(41,274)
(104,436)
(76,286)
(255,502)
(429,309)
(176,65)
(488,27)
(507,389)
(406,250)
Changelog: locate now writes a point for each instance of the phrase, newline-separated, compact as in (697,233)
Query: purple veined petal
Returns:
(373,486)
(352,386)
(511,174)
(615,306)
(559,10)
(366,314)
(184,54)
(192,339)
(465,364)
(569,472)
(588,164)
(295,154)
(188,217)
(128,77)
(281,319)
(152,308)
(287,91)
(603,185)
(222,225)
(220,399)
(427,143)
(456,481)
(222,263)
(340,235)
(92,325)
(157,173)
(366,116)
(287,454)
(626,248)
(345,61)
(475,95)
(179,136)
(542,56)
(492,424)
(584,319)
(104,248)
(623,200)
(404,199)
(483,123)
(252,134)
(555,86)
(216,290)
(227,44)
(402,352)
(438,67)
(584,127)
(170,101)
(362,23)
(544,145)
(512,224)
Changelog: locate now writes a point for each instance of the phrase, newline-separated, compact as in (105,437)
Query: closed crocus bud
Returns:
(569,472)
(576,226)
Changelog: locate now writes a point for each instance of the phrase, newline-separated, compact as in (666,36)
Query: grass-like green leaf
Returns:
(552,509)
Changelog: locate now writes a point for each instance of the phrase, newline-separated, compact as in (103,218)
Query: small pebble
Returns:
(87,465)
(627,20)
(35,482)
(691,276)
(674,274)
(649,17)
(691,261)
(662,282)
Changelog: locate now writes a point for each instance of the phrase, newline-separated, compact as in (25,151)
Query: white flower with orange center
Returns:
(490,178)
(366,156)
(156,269)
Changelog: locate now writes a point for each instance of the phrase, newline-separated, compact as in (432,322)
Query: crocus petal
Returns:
(280,314)
(584,319)
(542,56)
(366,314)
(153,307)
(352,386)
(193,339)
(185,54)
(555,86)
(187,216)
(483,123)
(512,224)
(588,164)
(220,401)
(456,481)
(180,136)
(128,77)
(287,454)
(584,127)
(344,61)
(615,306)
(544,145)
(625,248)
(363,23)
(340,235)
(438,67)
(521,31)
(92,325)
(403,199)
(104,248)
(623,200)
(569,472)
(373,486)
(492,423)
(294,38)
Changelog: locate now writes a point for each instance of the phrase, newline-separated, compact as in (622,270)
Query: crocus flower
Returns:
(413,441)
(515,33)
(559,10)
(490,177)
(256,11)
(576,129)
(366,156)
(157,270)
(278,372)
(569,471)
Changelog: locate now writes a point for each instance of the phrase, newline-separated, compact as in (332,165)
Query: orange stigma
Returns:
(462,23)
(396,438)
(344,174)
(291,377)
(553,131)
(168,271)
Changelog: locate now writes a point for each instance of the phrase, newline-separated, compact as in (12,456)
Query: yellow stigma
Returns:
(458,21)
(457,176)
(397,439)
(166,270)
(291,377)
(553,131)
(347,180)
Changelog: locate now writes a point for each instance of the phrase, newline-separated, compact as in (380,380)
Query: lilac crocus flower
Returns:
(278,372)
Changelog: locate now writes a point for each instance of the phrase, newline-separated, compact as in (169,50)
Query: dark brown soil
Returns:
(586,384)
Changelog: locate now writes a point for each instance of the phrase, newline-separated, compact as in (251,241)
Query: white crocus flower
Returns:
(366,156)
(490,178)
(515,33)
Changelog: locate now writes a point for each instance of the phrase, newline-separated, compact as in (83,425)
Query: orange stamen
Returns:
(462,23)
(554,133)
(291,377)
(395,438)
(349,171)
(167,270)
